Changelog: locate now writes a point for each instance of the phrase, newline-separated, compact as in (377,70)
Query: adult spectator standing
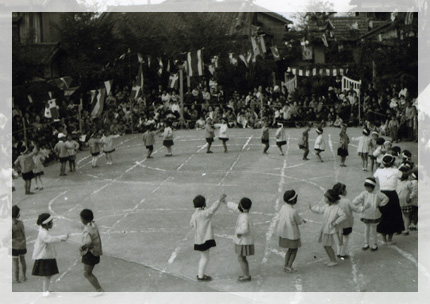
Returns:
(392,221)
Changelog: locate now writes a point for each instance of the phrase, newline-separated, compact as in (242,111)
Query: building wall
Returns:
(273,27)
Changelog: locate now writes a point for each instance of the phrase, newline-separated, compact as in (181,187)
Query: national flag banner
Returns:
(324,39)
(294,71)
(139,58)
(255,48)
(300,72)
(195,63)
(168,66)
(314,72)
(409,18)
(334,72)
(62,82)
(307,73)
(97,106)
(306,53)
(291,84)
(262,45)
(275,53)
(108,86)
(70,91)
(51,109)
(173,81)
(327,72)
(160,67)
(341,72)
(30,99)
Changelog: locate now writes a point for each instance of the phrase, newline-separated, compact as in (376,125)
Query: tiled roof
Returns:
(342,27)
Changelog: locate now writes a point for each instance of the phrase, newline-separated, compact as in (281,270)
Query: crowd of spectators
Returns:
(391,112)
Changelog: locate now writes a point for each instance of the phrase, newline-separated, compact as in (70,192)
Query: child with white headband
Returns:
(371,200)
(44,254)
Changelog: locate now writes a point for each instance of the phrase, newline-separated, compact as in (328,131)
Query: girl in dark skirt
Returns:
(204,236)
(392,221)
(44,254)
(168,138)
(342,151)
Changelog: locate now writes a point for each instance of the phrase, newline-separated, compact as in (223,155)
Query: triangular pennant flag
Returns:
(242,57)
(324,39)
(108,86)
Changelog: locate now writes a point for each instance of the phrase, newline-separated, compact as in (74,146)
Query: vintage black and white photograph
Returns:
(228,147)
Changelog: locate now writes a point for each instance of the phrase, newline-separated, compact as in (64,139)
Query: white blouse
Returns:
(387,178)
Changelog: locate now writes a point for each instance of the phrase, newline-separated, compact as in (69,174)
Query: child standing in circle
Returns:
(149,139)
(91,248)
(38,160)
(342,150)
(372,147)
(72,147)
(61,150)
(19,246)
(404,191)
(414,200)
(345,228)
(108,148)
(281,138)
(94,145)
(44,254)
(204,236)
(319,143)
(333,216)
(265,137)
(364,148)
(288,229)
(223,134)
(379,152)
(304,144)
(244,236)
(209,134)
(371,200)
(168,138)
(26,164)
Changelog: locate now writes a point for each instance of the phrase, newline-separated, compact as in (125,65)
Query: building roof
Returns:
(44,52)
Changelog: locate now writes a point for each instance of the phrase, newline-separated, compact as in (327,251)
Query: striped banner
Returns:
(351,84)
(318,72)
(195,63)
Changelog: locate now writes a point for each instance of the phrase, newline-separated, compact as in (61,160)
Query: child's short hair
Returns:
(319,130)
(370,182)
(87,215)
(15,211)
(199,201)
(380,141)
(290,197)
(396,150)
(365,132)
(406,154)
(244,204)
(23,149)
(339,188)
(43,219)
(331,195)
